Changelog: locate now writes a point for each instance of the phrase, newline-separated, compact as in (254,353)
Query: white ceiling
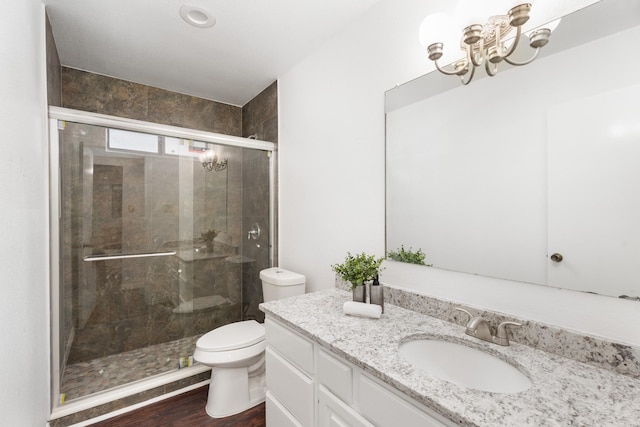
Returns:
(146,41)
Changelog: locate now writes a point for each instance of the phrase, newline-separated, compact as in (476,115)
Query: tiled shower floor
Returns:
(85,378)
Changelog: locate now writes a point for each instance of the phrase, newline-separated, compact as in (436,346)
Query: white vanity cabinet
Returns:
(290,377)
(333,412)
(308,386)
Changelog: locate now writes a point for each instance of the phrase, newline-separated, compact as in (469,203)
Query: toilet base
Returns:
(234,390)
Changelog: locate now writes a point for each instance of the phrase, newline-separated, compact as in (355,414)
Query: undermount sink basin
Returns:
(465,366)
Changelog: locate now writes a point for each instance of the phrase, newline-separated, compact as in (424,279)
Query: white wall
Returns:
(331,143)
(24,354)
(331,139)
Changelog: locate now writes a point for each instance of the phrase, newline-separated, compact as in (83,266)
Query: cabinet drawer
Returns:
(292,388)
(388,410)
(277,415)
(332,412)
(294,348)
(336,375)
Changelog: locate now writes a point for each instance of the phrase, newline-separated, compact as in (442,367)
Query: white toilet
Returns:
(235,352)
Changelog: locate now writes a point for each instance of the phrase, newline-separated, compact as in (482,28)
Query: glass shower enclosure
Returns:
(158,236)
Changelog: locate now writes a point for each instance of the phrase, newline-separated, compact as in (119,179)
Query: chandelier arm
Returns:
(491,71)
(472,57)
(515,43)
(500,49)
(443,71)
(470,74)
(530,60)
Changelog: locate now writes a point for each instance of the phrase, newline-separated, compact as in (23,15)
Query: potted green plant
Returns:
(357,270)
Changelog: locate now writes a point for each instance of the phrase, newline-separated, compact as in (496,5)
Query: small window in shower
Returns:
(125,140)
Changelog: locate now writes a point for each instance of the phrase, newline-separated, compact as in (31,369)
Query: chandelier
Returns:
(210,161)
(483,44)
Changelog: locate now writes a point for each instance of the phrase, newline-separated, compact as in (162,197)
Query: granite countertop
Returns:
(564,392)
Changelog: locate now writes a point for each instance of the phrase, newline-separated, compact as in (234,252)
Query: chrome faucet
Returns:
(480,328)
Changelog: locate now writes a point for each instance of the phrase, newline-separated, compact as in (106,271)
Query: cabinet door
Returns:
(277,415)
(332,412)
(291,387)
(386,409)
(297,350)
(336,375)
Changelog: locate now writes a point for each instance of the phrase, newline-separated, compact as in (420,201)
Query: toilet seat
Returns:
(231,344)
(232,336)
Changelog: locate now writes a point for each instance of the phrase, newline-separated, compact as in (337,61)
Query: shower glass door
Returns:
(154,251)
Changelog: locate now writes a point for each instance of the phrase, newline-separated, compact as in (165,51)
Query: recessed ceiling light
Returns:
(197,16)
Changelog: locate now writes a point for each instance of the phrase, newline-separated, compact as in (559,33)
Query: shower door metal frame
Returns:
(57,114)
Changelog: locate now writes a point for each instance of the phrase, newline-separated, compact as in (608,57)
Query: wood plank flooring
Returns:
(185,410)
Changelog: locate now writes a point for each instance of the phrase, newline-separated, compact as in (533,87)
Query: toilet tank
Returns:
(278,283)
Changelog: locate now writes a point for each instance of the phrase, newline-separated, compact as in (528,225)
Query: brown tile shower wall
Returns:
(128,205)
(259,118)
(255,200)
(86,91)
(260,115)
(105,95)
(54,80)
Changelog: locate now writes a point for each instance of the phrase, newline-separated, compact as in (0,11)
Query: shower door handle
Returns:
(127,256)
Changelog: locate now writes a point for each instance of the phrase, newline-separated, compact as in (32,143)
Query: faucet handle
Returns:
(466,312)
(502,336)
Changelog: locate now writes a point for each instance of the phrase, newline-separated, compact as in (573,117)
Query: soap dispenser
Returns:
(377,294)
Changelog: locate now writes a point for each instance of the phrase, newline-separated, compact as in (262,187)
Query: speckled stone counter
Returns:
(564,392)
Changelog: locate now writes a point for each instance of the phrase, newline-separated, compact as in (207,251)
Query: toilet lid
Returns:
(232,336)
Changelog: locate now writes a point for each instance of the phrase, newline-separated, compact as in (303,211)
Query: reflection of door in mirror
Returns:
(594,192)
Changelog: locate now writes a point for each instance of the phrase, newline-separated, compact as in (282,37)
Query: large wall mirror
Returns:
(495,177)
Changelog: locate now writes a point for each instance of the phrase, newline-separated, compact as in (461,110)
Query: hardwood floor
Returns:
(185,410)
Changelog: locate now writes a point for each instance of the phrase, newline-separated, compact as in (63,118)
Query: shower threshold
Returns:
(87,378)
